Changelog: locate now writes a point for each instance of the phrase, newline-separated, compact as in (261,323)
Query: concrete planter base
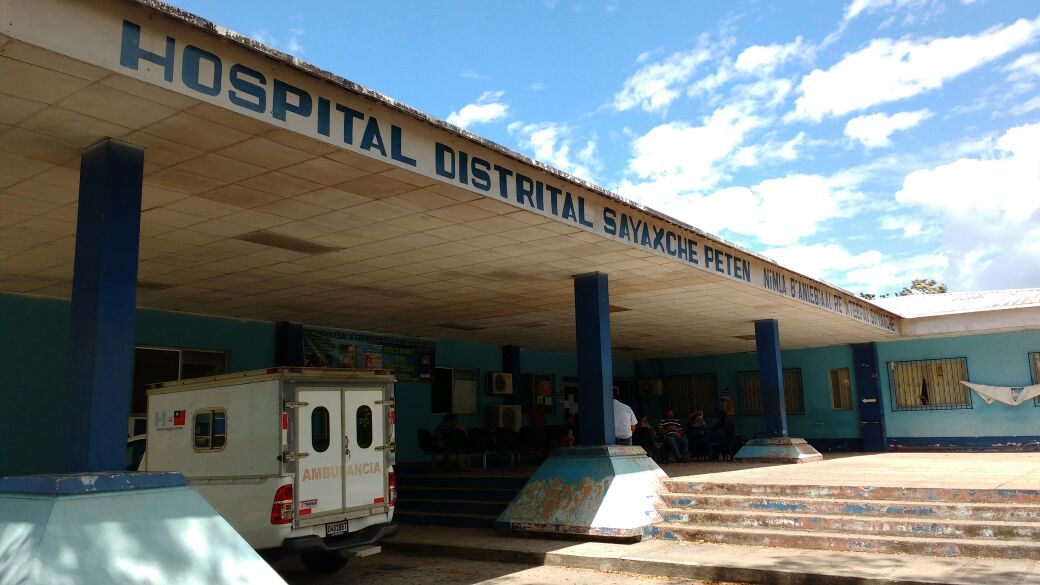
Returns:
(778,450)
(119,529)
(608,492)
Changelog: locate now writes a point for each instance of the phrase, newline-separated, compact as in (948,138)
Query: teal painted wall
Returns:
(820,419)
(33,345)
(998,359)
(33,361)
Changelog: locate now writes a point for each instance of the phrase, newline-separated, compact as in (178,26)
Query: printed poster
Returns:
(410,359)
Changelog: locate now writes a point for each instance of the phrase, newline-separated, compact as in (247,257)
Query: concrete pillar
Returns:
(871,403)
(104,295)
(771,377)
(600,489)
(776,446)
(595,366)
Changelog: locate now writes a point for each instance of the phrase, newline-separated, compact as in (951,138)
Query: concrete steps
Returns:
(463,500)
(836,506)
(942,522)
(889,526)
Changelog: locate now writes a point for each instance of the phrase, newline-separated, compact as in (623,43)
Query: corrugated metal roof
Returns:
(961,302)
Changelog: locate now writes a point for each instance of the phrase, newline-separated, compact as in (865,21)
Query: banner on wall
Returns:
(411,360)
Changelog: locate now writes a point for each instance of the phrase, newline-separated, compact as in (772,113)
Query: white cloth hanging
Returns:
(1013,395)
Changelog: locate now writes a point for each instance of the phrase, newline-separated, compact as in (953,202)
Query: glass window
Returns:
(364,427)
(689,393)
(1034,368)
(841,389)
(153,365)
(199,364)
(454,390)
(219,430)
(929,384)
(210,430)
(751,392)
(321,435)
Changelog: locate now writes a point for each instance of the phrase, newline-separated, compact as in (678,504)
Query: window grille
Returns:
(689,393)
(929,384)
(751,392)
(841,389)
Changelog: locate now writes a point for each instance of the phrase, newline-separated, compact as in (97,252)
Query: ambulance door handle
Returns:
(346,446)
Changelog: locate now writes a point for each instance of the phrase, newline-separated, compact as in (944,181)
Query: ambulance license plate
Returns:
(335,528)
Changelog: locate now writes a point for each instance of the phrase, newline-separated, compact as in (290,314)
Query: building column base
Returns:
(119,529)
(608,492)
(777,450)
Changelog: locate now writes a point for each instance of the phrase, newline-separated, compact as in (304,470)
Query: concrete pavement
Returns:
(744,564)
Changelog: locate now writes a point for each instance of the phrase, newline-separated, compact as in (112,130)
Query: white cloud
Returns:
(1029,106)
(869,271)
(776,212)
(858,7)
(655,86)
(690,156)
(988,208)
(1024,67)
(291,46)
(552,144)
(487,108)
(471,74)
(764,59)
(874,130)
(911,226)
(887,70)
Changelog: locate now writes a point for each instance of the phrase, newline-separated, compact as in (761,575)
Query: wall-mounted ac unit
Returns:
(500,383)
(651,388)
(506,415)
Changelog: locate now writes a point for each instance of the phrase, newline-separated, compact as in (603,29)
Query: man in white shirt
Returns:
(624,423)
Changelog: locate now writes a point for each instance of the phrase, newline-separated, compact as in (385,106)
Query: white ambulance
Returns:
(296,459)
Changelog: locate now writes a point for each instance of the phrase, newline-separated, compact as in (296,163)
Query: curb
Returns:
(656,568)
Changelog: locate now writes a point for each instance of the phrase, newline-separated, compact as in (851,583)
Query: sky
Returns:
(866,143)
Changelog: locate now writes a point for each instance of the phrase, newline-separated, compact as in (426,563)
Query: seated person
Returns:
(643,435)
(449,423)
(672,431)
(725,434)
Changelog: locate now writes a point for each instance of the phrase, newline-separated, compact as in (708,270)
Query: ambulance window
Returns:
(364,427)
(210,430)
(320,436)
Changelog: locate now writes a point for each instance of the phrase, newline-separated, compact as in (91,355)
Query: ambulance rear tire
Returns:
(322,563)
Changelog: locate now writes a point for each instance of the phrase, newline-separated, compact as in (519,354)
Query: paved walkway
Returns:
(934,470)
(742,564)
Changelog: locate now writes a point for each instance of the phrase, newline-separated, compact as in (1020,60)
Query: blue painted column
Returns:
(771,377)
(104,295)
(595,366)
(868,390)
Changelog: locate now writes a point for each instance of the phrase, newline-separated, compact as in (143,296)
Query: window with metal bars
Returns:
(1034,368)
(689,393)
(751,392)
(929,384)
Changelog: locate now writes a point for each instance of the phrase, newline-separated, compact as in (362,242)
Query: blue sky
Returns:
(866,143)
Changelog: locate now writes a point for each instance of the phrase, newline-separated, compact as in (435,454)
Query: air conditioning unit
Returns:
(506,415)
(500,383)
(651,388)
